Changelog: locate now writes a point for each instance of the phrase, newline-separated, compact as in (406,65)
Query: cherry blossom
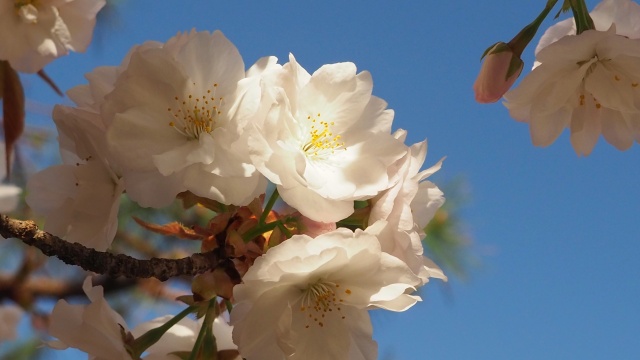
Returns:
(307,298)
(588,83)
(178,112)
(327,141)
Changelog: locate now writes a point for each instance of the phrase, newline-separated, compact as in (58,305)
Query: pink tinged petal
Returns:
(616,130)
(315,228)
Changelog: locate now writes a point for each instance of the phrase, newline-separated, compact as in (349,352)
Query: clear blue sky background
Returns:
(558,235)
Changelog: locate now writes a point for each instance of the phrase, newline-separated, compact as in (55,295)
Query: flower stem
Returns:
(144,341)
(272,200)
(524,37)
(207,323)
(581,15)
(259,230)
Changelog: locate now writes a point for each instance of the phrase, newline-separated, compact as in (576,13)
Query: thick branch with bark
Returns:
(107,263)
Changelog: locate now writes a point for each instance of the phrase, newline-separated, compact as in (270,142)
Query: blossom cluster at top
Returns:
(586,81)
(187,117)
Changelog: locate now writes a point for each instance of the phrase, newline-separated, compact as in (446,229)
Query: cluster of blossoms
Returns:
(586,81)
(185,119)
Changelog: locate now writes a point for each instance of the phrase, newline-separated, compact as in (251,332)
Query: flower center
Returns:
(321,299)
(320,141)
(196,115)
(27,10)
(618,80)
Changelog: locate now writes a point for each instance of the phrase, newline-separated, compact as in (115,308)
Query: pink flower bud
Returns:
(315,228)
(499,71)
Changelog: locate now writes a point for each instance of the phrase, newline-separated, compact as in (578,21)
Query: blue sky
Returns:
(558,235)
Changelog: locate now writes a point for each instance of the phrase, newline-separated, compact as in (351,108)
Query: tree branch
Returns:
(107,263)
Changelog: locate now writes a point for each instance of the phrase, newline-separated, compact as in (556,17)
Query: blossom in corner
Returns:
(588,83)
(307,298)
(35,32)
(326,142)
(94,328)
(178,112)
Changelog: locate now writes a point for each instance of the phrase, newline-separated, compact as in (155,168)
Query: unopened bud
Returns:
(500,69)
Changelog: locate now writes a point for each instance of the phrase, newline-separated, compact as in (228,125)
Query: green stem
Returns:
(258,230)
(524,37)
(203,331)
(581,15)
(272,200)
(143,342)
(284,229)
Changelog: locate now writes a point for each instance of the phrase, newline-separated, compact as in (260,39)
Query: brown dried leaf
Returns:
(171,229)
(12,109)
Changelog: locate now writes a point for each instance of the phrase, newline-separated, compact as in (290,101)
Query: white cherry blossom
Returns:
(588,83)
(307,298)
(406,208)
(179,111)
(80,198)
(327,141)
(35,32)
